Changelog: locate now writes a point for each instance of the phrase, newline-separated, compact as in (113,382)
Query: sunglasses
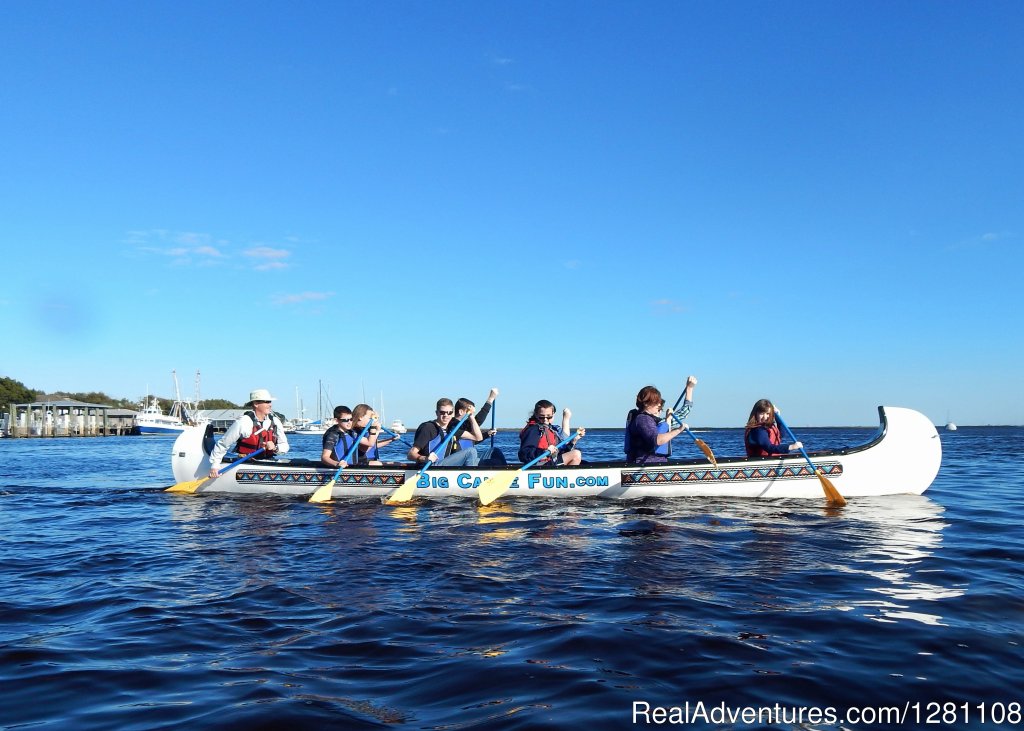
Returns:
(546,418)
(444,413)
(347,418)
(257,403)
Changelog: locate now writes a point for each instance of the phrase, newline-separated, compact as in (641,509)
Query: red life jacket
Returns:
(259,436)
(774,436)
(548,437)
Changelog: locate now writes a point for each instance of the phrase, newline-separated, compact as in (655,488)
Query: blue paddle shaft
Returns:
(239,461)
(682,395)
(447,439)
(355,445)
(535,460)
(792,438)
(688,432)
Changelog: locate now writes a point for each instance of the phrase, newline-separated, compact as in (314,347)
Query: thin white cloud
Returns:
(182,247)
(294,299)
(268,258)
(985,240)
(192,248)
(501,60)
(266,252)
(667,306)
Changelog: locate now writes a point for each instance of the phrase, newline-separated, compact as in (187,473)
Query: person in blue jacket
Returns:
(540,436)
(762,437)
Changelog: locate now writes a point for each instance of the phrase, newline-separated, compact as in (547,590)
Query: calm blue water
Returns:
(122,607)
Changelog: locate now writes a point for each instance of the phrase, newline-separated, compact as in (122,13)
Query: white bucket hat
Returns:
(260,394)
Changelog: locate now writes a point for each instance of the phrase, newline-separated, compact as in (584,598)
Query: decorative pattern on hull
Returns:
(651,476)
(315,479)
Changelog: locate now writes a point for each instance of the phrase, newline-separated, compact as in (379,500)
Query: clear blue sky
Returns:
(817,202)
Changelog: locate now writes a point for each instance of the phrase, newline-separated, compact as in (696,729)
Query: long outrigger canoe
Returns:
(902,458)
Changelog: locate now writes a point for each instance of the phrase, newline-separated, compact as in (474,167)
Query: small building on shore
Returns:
(220,419)
(64,417)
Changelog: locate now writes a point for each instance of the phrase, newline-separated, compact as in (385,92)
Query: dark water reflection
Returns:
(124,607)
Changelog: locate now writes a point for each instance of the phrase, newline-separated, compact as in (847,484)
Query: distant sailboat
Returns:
(950,426)
(303,425)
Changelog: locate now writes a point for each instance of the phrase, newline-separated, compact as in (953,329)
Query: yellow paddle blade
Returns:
(702,445)
(323,493)
(404,493)
(494,487)
(188,487)
(830,490)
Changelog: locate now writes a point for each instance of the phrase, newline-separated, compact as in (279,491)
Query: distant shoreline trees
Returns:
(15,392)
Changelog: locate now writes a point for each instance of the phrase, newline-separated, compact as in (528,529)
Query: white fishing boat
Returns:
(398,427)
(902,458)
(151,420)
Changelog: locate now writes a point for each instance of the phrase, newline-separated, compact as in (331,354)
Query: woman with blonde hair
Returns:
(372,441)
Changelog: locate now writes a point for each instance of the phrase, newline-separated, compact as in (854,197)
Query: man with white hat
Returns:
(257,428)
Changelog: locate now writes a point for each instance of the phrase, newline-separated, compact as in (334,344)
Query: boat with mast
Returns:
(151,420)
(308,426)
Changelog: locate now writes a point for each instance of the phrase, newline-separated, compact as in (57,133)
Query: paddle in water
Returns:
(404,493)
(494,487)
(830,490)
(192,485)
(701,444)
(323,493)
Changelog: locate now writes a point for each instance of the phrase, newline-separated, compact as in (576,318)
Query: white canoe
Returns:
(902,458)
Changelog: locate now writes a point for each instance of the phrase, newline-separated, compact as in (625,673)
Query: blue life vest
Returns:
(434,443)
(345,441)
(466,442)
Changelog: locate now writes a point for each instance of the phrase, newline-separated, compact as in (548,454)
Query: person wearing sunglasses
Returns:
(541,435)
(257,428)
(430,435)
(338,439)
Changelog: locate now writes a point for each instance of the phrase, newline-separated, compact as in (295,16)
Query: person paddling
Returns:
(430,435)
(648,436)
(540,435)
(338,439)
(762,437)
(257,428)
(370,444)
